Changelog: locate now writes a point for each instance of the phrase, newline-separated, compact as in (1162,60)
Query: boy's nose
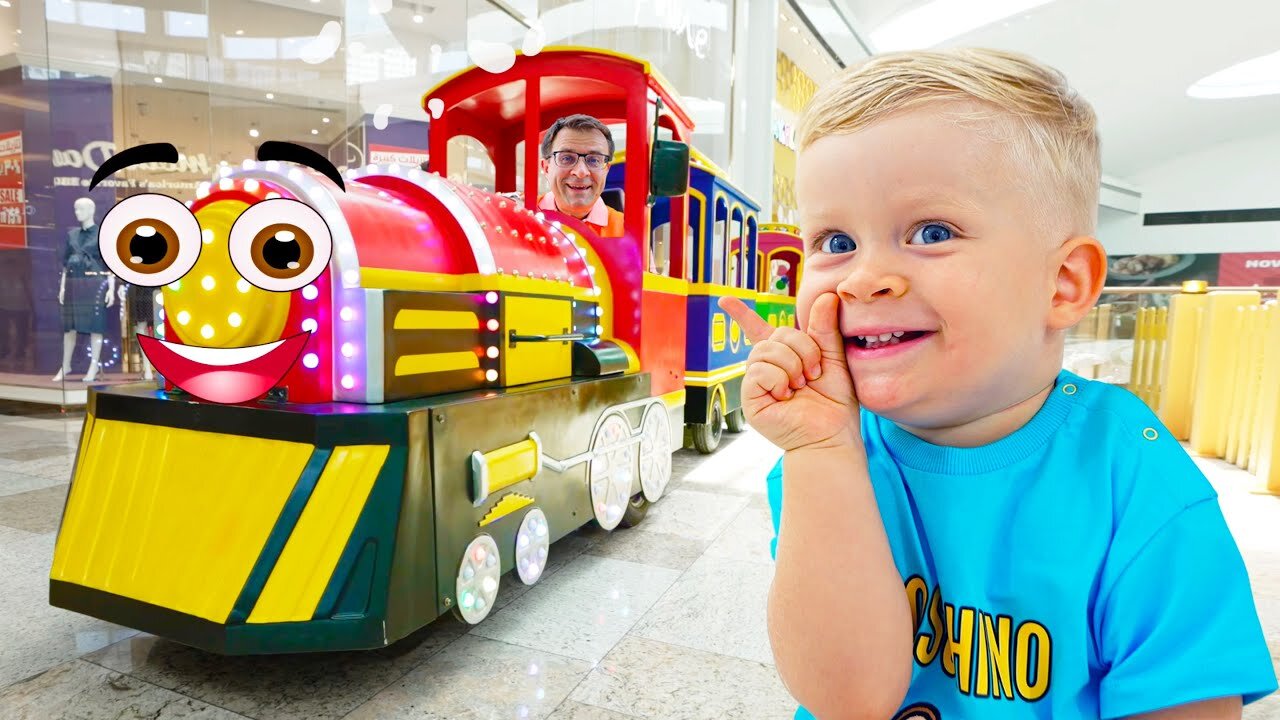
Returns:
(869,287)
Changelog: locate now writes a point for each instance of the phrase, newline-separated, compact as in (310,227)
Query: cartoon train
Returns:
(780,259)
(385,391)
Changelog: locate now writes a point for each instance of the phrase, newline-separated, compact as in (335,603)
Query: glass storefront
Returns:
(83,79)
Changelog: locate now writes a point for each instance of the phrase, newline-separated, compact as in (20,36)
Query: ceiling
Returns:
(1134,60)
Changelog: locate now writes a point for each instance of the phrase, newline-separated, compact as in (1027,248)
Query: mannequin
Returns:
(141,308)
(86,290)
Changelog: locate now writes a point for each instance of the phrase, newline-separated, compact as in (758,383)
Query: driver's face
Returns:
(576,188)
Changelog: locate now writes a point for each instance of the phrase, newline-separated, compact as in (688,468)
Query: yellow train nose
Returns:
(212,306)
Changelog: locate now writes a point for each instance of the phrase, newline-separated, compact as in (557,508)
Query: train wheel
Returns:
(636,510)
(706,437)
(478,577)
(655,452)
(533,540)
(611,471)
(736,421)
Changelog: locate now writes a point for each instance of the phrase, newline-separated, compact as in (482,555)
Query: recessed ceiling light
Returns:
(783,16)
(324,119)
(417,18)
(942,20)
(1251,78)
(5,3)
(159,79)
(239,32)
(315,131)
(795,29)
(253,132)
(271,96)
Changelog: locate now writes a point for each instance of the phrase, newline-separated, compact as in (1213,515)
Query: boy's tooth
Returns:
(886,337)
(898,334)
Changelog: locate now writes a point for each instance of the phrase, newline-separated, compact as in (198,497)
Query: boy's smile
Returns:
(922,227)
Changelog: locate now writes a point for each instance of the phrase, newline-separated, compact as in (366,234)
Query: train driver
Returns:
(576,152)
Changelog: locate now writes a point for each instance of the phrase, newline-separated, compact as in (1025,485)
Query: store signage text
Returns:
(785,133)
(92,155)
(677,18)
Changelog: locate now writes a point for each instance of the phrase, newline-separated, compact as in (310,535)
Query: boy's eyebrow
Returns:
(149,153)
(278,150)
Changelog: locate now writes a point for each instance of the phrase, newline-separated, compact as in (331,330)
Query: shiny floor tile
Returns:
(476,677)
(717,606)
(572,710)
(693,514)
(651,679)
(581,611)
(12,483)
(36,511)
(288,687)
(640,544)
(747,537)
(82,691)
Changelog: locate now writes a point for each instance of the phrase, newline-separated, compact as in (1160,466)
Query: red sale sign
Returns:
(1249,269)
(13,201)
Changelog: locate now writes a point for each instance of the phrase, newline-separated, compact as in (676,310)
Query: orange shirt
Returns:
(604,220)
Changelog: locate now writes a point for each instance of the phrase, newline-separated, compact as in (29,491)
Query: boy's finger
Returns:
(755,327)
(824,325)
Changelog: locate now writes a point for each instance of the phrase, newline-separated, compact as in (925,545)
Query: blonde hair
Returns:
(1054,129)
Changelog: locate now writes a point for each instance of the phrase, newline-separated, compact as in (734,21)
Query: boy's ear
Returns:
(1081,273)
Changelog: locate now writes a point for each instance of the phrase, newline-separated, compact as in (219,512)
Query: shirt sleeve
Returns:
(774,483)
(1179,624)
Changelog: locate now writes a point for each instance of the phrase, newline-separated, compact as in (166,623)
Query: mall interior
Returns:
(113,583)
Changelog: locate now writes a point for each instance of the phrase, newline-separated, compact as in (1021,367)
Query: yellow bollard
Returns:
(1268,374)
(1268,418)
(1136,376)
(1160,348)
(1214,381)
(1239,368)
(1251,386)
(1178,378)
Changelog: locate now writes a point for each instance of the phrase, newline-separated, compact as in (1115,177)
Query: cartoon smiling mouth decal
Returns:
(224,375)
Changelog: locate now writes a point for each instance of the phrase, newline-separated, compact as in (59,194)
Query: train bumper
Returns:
(235,529)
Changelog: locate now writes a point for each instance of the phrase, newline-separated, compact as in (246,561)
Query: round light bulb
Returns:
(310,361)
(348,350)
(184,317)
(310,292)
(348,382)
(347,314)
(492,352)
(206,331)
(490,375)
(309,325)
(234,319)
(242,285)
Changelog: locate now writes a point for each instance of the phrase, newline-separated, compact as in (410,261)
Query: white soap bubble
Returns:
(381,115)
(534,39)
(495,57)
(323,46)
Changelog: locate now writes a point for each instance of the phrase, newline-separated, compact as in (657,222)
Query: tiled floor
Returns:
(665,620)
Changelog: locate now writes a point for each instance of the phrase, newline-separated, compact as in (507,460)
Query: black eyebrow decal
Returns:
(149,153)
(277,150)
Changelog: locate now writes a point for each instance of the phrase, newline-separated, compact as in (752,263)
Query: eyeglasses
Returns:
(568,158)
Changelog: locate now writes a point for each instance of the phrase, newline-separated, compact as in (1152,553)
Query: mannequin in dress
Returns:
(86,290)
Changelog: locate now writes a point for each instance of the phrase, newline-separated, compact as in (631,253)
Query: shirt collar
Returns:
(598,215)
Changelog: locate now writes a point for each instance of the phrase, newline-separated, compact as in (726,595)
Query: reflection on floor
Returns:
(665,620)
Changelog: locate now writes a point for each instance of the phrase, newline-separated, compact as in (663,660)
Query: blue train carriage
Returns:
(722,220)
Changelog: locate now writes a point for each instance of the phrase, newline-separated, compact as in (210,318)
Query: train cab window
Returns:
(719,243)
(660,249)
(469,162)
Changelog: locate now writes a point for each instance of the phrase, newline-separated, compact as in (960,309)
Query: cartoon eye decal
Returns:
(280,245)
(149,240)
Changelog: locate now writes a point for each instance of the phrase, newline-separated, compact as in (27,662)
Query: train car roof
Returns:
(572,79)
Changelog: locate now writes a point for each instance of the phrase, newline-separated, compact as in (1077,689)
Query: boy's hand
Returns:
(798,392)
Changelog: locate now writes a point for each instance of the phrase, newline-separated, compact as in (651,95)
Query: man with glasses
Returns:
(576,152)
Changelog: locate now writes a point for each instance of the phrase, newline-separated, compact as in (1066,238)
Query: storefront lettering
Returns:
(1260,264)
(675,15)
(95,153)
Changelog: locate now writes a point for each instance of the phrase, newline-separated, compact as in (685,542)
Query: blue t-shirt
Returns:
(1078,568)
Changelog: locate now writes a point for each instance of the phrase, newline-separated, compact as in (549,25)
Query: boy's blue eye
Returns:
(931,233)
(837,243)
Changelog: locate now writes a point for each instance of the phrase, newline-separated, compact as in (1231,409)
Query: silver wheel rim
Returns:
(611,472)
(533,541)
(478,577)
(655,452)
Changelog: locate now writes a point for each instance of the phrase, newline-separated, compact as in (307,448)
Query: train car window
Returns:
(752,243)
(719,242)
(469,162)
(736,240)
(520,170)
(760,270)
(694,237)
